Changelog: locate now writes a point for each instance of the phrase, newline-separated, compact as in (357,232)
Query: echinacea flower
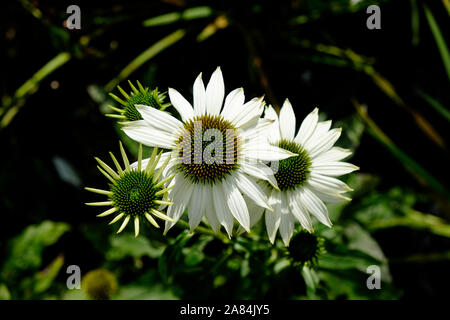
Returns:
(216,152)
(307,180)
(134,193)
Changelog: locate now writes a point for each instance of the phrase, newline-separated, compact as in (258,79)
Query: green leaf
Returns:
(129,246)
(360,239)
(394,209)
(435,104)
(383,206)
(4,292)
(416,220)
(136,292)
(45,278)
(352,285)
(26,249)
(332,261)
(439,38)
(193,257)
(170,258)
(310,277)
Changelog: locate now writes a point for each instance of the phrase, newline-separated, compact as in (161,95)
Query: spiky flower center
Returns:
(208,149)
(305,247)
(292,172)
(134,193)
(148,98)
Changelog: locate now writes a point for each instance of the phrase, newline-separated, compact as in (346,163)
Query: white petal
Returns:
(233,104)
(315,206)
(215,92)
(199,96)
(260,171)
(251,189)
(286,222)
(302,215)
(236,203)
(320,130)
(183,107)
(258,150)
(273,218)
(287,121)
(254,210)
(141,132)
(195,207)
(273,132)
(330,197)
(324,143)
(210,213)
(261,129)
(333,168)
(251,111)
(180,195)
(220,205)
(327,184)
(334,154)
(159,119)
(171,166)
(307,127)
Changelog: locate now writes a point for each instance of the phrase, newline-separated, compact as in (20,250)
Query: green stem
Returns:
(149,53)
(30,87)
(418,172)
(183,224)
(439,38)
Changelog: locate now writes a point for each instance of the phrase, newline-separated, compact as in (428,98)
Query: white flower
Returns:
(305,181)
(210,177)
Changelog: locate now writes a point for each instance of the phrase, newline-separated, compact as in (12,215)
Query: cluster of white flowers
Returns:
(225,161)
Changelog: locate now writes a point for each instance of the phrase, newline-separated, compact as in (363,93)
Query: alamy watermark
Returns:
(374,280)
(74,20)
(374,20)
(213,146)
(74,278)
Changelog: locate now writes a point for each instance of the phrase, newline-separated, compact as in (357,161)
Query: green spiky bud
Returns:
(134,194)
(140,95)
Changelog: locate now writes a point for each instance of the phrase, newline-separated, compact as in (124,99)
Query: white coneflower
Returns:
(134,193)
(210,176)
(307,180)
